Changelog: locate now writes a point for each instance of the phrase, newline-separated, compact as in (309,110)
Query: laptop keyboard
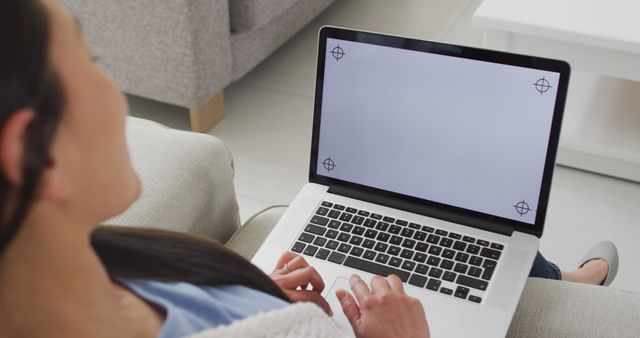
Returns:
(446,262)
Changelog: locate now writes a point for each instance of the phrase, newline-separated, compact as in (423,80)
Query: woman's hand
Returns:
(294,276)
(384,310)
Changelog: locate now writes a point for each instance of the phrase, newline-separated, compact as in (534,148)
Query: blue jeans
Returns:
(542,268)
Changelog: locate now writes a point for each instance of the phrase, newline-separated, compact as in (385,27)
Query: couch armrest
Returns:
(175,51)
(187,181)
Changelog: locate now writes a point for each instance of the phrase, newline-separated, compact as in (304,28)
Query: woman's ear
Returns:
(12,144)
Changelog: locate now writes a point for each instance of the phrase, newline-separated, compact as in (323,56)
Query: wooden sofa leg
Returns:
(206,117)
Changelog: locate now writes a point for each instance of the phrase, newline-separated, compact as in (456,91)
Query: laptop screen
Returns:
(457,131)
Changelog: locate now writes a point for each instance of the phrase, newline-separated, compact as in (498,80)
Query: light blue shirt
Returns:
(190,309)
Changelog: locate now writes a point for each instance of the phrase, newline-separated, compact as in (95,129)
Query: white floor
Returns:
(268,128)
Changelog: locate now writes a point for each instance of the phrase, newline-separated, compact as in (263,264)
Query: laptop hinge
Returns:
(422,210)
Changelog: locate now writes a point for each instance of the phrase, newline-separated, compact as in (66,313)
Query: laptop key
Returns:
(382,226)
(364,213)
(395,261)
(402,223)
(319,220)
(315,229)
(332,245)
(358,230)
(435,250)
(322,254)
(427,229)
(422,269)
(447,264)
(310,250)
(382,247)
(433,239)
(368,254)
(306,237)
(346,217)
(460,246)
(475,260)
(454,235)
(420,236)
(333,224)
(352,210)
(344,247)
(357,220)
(448,253)
(433,260)
(490,253)
(422,247)
(320,241)
(322,211)
(468,239)
(376,216)
(334,214)
(346,227)
(409,265)
(337,257)
(394,229)
(473,249)
(383,236)
(298,247)
(408,243)
(420,257)
(375,268)
(370,233)
(486,275)
(344,237)
(382,258)
(449,276)
(472,282)
(418,280)
(461,292)
(433,284)
(332,234)
(474,272)
(441,232)
(462,257)
(435,273)
(475,299)
(482,242)
(368,243)
(406,253)
(446,291)
(396,240)
(356,240)
(356,251)
(327,204)
(446,242)
(394,250)
(389,219)
(369,223)
(338,207)
(489,264)
(497,246)
(460,268)
(407,232)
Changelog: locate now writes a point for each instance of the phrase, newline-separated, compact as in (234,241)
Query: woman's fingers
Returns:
(359,288)
(379,285)
(301,278)
(310,296)
(285,258)
(350,308)
(296,263)
(395,283)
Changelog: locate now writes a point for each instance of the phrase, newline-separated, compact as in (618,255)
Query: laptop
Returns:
(430,161)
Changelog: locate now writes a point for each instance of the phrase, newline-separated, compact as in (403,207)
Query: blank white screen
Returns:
(462,132)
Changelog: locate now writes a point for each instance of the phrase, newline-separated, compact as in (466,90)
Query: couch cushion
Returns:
(249,238)
(249,14)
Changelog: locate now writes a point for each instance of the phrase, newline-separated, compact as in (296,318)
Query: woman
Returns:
(65,168)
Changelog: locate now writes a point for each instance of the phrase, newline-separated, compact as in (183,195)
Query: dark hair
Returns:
(28,80)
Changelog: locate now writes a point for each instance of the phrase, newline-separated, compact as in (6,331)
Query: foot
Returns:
(592,272)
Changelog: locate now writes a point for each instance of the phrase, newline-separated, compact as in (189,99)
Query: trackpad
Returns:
(338,316)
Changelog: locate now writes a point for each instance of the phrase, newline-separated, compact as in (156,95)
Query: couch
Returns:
(188,186)
(185,52)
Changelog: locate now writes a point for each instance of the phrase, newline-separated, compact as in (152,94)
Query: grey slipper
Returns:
(604,250)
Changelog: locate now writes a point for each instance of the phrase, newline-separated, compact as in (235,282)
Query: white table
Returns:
(601,41)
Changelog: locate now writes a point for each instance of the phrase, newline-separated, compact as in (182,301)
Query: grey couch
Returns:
(185,52)
(188,186)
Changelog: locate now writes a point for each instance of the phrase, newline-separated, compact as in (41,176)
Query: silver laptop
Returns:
(430,161)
